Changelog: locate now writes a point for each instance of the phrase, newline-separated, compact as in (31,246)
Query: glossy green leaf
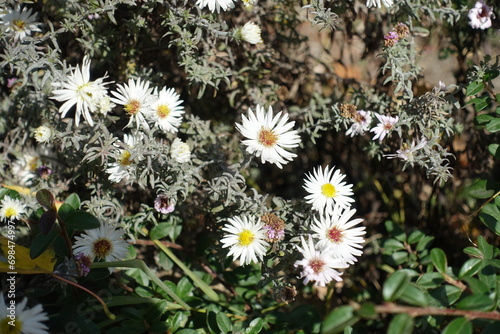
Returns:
(494,150)
(490,216)
(476,286)
(413,296)
(479,103)
(391,245)
(65,210)
(161,230)
(394,286)
(473,251)
(395,231)
(476,302)
(483,119)
(458,326)
(482,189)
(46,199)
(73,200)
(47,221)
(424,243)
(415,237)
(470,268)
(81,220)
(485,248)
(367,310)
(439,261)
(223,322)
(430,280)
(474,87)
(446,295)
(41,242)
(255,326)
(401,324)
(493,125)
(339,319)
(488,276)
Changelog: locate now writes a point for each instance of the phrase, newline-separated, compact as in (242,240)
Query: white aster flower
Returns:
(480,16)
(214,5)
(326,190)
(248,4)
(104,243)
(136,98)
(338,235)
(80,90)
(407,152)
(180,151)
(385,126)
(43,134)
(167,110)
(11,208)
(21,22)
(362,121)
(25,169)
(377,3)
(27,320)
(318,266)
(268,136)
(122,167)
(246,239)
(251,33)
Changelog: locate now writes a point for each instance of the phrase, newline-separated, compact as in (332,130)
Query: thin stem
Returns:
(104,306)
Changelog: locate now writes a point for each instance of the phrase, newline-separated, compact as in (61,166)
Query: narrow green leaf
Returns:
(401,324)
(474,87)
(479,103)
(223,322)
(438,258)
(470,268)
(339,319)
(81,220)
(394,286)
(476,302)
(494,125)
(458,326)
(41,242)
(73,200)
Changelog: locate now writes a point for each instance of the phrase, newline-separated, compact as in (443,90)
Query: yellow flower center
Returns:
(102,247)
(133,107)
(163,111)
(124,159)
(19,24)
(328,190)
(32,164)
(84,91)
(8,326)
(10,212)
(334,235)
(316,265)
(246,238)
(267,137)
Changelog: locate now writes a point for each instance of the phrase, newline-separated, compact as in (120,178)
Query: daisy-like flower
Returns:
(20,22)
(164,204)
(180,151)
(268,136)
(26,321)
(378,3)
(136,98)
(338,235)
(25,169)
(167,111)
(480,16)
(80,90)
(407,152)
(104,243)
(248,4)
(250,33)
(326,190)
(318,266)
(11,208)
(121,168)
(362,120)
(43,134)
(385,126)
(246,239)
(215,5)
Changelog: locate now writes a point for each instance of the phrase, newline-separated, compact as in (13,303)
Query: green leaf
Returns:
(415,237)
(476,302)
(41,242)
(413,296)
(476,286)
(483,119)
(47,221)
(424,243)
(401,324)
(339,319)
(223,322)
(395,231)
(446,295)
(391,245)
(184,288)
(488,276)
(490,216)
(493,126)
(479,102)
(255,326)
(367,311)
(46,199)
(65,210)
(483,189)
(394,286)
(81,220)
(458,326)
(474,87)
(490,75)
(473,251)
(73,200)
(438,258)
(485,248)
(494,150)
(430,280)
(161,230)
(470,268)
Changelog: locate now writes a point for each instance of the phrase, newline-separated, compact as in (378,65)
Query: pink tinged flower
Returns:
(480,16)
(318,266)
(385,126)
(407,152)
(83,263)
(164,204)
(274,226)
(362,121)
(11,82)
